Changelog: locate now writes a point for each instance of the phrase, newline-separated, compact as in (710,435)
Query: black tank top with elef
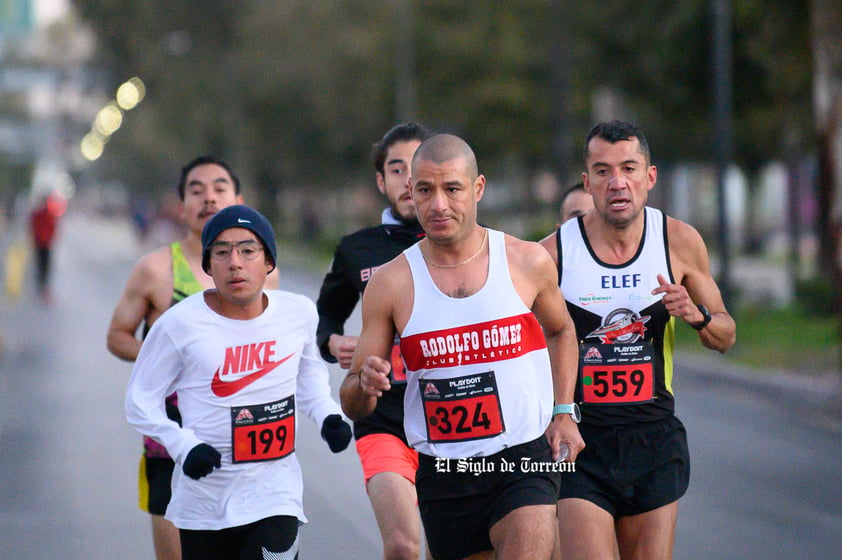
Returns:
(625,334)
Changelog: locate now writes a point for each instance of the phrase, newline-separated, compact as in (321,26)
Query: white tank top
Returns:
(478,370)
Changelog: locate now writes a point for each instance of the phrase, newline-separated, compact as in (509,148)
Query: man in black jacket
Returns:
(388,463)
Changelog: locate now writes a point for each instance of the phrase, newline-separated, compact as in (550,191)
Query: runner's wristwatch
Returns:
(705,318)
(571,409)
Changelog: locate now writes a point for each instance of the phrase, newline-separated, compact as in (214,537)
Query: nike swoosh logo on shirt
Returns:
(222,388)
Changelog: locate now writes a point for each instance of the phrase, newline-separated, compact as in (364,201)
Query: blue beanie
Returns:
(238,216)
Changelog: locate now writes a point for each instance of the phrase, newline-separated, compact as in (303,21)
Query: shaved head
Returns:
(446,147)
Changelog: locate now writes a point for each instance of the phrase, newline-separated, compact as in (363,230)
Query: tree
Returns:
(296,92)
(826,29)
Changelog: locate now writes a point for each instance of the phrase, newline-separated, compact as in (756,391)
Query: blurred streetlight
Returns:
(92,146)
(130,93)
(109,119)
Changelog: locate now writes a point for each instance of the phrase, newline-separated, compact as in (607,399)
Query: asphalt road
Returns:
(766,479)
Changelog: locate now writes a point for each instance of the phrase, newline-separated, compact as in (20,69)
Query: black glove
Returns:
(201,460)
(336,432)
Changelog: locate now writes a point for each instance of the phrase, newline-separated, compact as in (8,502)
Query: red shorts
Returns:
(386,453)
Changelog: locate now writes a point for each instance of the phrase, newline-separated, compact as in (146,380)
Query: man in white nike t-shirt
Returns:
(244,362)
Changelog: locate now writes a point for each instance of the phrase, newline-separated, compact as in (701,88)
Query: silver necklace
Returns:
(463,263)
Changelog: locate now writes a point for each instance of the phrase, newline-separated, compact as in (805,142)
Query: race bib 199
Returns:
(263,432)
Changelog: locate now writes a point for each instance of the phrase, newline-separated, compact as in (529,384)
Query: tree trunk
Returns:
(826,32)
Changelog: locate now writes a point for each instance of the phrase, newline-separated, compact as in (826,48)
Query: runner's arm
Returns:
(313,382)
(337,299)
(368,376)
(691,266)
(153,375)
(550,243)
(560,333)
(134,306)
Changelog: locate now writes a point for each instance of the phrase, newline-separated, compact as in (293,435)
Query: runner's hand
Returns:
(342,348)
(336,432)
(677,301)
(201,460)
(563,431)
(374,376)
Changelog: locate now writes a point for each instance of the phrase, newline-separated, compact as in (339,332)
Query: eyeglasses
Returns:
(249,249)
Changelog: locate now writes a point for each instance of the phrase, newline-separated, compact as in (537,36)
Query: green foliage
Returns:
(656,57)
(773,76)
(815,297)
(294,93)
(297,91)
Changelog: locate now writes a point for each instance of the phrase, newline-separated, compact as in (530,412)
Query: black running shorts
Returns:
(155,484)
(458,509)
(272,537)
(628,470)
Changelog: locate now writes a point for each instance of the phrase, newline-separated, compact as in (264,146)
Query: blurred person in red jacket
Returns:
(43,222)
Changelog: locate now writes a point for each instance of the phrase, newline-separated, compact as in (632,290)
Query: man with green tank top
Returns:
(184,283)
(159,280)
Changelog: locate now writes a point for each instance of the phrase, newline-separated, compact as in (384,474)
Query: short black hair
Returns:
(204,160)
(580,186)
(399,133)
(616,131)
